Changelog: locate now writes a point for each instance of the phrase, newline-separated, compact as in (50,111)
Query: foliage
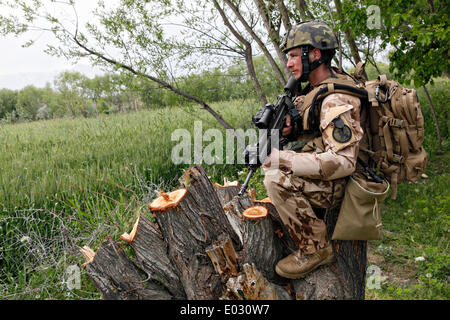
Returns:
(8,101)
(415,32)
(66,183)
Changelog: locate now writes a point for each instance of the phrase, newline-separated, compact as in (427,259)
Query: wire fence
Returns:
(40,249)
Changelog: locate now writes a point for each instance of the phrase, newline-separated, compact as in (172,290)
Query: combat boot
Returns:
(297,265)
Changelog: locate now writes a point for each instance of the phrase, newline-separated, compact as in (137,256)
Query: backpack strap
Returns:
(329,88)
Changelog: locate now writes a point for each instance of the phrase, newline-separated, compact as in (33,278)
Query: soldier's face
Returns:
(294,62)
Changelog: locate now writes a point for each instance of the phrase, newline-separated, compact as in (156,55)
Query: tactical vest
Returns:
(310,139)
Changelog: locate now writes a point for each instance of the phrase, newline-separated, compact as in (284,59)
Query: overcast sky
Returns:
(23,66)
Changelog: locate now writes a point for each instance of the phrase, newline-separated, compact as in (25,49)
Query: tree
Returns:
(8,101)
(70,86)
(133,37)
(29,100)
(134,29)
(247,47)
(133,32)
(223,256)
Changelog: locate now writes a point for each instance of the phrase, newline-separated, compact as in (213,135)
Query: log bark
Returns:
(203,248)
(189,229)
(151,256)
(117,278)
(224,258)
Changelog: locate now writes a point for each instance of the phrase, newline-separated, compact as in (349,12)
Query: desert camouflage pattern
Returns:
(315,33)
(294,198)
(316,176)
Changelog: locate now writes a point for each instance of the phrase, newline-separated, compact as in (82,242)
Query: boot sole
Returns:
(301,275)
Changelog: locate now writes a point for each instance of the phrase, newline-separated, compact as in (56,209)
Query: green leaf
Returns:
(396,19)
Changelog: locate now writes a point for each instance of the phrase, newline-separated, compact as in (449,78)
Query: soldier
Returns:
(312,170)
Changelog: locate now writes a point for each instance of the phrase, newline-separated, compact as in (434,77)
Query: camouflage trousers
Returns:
(294,198)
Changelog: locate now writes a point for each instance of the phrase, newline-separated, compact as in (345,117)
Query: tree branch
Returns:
(159,81)
(248,54)
(258,41)
(273,34)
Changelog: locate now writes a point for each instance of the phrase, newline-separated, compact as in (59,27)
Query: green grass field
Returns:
(67,183)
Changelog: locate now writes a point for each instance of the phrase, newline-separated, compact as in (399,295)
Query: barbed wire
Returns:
(39,249)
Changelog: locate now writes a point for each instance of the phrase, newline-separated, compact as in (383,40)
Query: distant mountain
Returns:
(39,79)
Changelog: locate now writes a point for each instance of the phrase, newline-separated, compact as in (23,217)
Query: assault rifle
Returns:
(270,117)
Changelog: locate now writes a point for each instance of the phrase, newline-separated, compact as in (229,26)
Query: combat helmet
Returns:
(314,33)
(310,33)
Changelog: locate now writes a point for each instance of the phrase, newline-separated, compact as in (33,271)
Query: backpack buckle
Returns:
(397,158)
(393,122)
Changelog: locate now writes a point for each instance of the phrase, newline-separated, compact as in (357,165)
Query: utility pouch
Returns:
(359,216)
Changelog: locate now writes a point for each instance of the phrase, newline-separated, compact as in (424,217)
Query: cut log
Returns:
(255,213)
(203,248)
(117,278)
(151,255)
(262,247)
(278,225)
(167,200)
(227,192)
(191,227)
(202,191)
(233,210)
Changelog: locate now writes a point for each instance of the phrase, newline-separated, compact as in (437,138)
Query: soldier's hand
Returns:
(287,129)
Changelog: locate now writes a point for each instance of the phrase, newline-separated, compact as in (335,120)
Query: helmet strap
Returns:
(306,66)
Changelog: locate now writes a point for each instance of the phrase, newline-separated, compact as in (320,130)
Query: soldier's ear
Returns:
(317,54)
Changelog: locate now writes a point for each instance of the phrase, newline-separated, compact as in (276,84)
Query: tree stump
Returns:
(202,247)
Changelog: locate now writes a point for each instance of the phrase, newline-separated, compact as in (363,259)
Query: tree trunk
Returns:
(117,278)
(274,35)
(305,13)
(203,248)
(162,83)
(349,37)
(255,37)
(248,55)
(436,122)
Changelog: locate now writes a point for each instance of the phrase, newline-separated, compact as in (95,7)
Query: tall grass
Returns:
(69,182)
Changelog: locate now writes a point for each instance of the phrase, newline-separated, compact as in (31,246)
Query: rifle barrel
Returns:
(247,180)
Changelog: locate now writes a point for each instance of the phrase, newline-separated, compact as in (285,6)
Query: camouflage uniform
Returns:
(315,176)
